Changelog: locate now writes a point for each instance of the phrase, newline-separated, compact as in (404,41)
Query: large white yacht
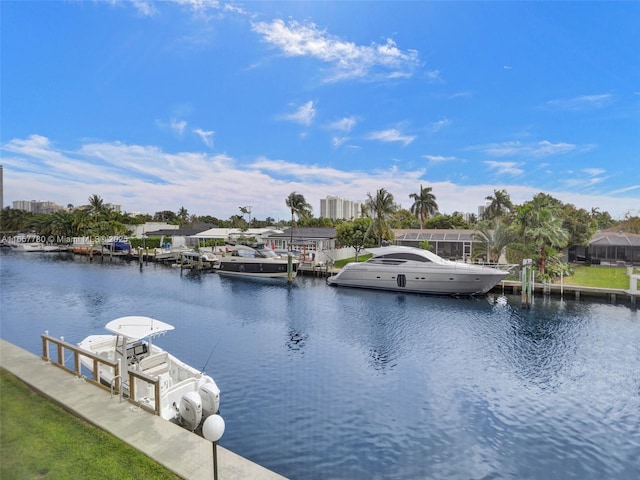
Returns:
(409,269)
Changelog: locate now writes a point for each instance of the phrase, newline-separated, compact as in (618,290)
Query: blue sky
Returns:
(215,105)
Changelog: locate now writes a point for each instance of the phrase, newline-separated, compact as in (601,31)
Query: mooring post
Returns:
(527,282)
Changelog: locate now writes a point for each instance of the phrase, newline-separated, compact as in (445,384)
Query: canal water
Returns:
(326,383)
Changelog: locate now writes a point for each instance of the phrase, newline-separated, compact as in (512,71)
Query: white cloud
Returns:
(391,135)
(347,59)
(625,190)
(344,124)
(174,125)
(594,171)
(438,158)
(205,136)
(338,141)
(584,102)
(546,148)
(148,179)
(539,149)
(440,124)
(199,6)
(434,76)
(300,171)
(505,168)
(144,7)
(465,94)
(304,115)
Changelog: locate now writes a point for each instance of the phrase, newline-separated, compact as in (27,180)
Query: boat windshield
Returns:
(251,253)
(398,258)
(267,253)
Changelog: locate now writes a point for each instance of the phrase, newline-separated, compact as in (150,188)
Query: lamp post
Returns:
(212,430)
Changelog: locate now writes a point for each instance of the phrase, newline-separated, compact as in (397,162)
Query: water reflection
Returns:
(296,340)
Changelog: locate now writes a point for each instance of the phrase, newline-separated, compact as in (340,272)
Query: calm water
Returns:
(325,383)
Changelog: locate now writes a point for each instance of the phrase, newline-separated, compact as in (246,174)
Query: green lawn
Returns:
(39,439)
(361,258)
(604,277)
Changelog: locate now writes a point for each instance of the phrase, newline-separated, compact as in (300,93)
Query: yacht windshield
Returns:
(398,258)
(250,253)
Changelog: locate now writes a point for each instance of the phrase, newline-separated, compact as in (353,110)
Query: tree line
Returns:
(539,228)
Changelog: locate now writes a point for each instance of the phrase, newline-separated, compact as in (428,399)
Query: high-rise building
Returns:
(113,207)
(339,208)
(35,206)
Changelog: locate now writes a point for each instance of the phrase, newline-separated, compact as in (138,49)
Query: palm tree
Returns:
(546,229)
(424,204)
(540,222)
(14,220)
(299,207)
(381,208)
(96,204)
(183,215)
(364,211)
(62,224)
(246,210)
(500,205)
(492,239)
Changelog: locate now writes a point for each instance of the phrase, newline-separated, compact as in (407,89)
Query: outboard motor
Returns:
(210,395)
(190,410)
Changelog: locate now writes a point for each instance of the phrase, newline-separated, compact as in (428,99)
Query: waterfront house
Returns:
(608,248)
(261,235)
(454,244)
(305,240)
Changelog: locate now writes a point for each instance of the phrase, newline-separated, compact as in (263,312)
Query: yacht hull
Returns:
(402,269)
(259,268)
(436,283)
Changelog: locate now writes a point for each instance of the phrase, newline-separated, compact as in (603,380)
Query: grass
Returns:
(603,277)
(39,439)
(343,262)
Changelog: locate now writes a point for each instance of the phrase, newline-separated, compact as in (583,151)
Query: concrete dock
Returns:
(184,453)
(577,292)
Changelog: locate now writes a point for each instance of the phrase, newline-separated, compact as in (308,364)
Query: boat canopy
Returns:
(137,327)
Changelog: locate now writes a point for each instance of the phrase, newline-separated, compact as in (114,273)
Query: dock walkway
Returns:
(613,295)
(184,453)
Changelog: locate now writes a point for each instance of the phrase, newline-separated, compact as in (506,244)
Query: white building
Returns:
(137,231)
(339,208)
(35,206)
(234,234)
(482,209)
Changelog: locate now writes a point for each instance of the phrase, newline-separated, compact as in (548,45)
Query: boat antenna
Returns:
(210,355)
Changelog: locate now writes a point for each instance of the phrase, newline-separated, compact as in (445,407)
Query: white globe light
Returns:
(213,428)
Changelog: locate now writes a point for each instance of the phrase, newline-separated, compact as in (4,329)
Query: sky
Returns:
(214,106)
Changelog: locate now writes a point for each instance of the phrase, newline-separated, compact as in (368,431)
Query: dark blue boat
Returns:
(117,246)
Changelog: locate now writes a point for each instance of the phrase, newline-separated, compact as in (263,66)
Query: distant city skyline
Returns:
(213,105)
